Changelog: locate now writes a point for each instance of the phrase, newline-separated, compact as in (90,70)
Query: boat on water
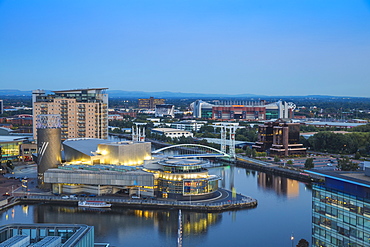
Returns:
(94,204)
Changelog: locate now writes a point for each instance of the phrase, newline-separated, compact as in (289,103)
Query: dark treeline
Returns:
(350,143)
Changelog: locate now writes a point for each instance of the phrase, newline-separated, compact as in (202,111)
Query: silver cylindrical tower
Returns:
(48,145)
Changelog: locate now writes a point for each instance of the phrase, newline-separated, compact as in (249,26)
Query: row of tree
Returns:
(339,143)
(344,164)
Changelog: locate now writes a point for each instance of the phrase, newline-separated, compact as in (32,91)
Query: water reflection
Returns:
(105,221)
(282,186)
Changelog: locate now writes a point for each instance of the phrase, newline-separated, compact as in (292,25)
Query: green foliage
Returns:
(248,134)
(248,151)
(289,162)
(357,155)
(308,164)
(276,159)
(253,153)
(345,164)
(308,128)
(261,154)
(12,113)
(121,124)
(361,128)
(207,128)
(303,243)
(340,143)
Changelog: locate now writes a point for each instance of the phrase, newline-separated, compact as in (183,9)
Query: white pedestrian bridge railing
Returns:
(192,150)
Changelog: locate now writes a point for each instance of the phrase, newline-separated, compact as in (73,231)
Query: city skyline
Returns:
(211,47)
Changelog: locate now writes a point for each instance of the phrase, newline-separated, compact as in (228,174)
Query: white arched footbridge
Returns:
(193,151)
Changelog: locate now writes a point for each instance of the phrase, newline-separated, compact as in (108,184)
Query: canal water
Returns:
(284,208)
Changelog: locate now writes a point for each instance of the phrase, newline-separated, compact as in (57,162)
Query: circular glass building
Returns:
(184,179)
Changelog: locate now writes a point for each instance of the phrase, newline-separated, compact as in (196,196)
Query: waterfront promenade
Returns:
(270,167)
(221,202)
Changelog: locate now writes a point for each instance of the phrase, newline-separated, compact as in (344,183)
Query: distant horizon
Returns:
(118,92)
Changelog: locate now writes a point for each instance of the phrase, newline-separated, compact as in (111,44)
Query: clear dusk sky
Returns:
(268,47)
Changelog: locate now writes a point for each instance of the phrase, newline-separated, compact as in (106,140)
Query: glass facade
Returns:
(10,150)
(184,177)
(272,114)
(69,235)
(183,169)
(340,217)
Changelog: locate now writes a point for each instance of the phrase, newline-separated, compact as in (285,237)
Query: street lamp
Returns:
(292,238)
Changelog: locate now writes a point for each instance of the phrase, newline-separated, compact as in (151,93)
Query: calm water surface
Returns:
(284,206)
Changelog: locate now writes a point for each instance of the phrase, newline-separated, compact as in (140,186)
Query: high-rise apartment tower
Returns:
(83,112)
(150,103)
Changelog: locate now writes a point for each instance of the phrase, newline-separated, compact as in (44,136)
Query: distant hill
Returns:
(136,94)
(166,94)
(14,92)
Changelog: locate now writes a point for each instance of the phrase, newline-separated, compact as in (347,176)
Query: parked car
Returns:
(6,194)
(65,197)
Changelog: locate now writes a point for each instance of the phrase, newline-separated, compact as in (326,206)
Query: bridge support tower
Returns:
(231,129)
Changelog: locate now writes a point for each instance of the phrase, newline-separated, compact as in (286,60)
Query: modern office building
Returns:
(11,147)
(189,125)
(280,138)
(173,133)
(243,110)
(84,112)
(150,103)
(165,110)
(201,109)
(26,151)
(50,235)
(341,209)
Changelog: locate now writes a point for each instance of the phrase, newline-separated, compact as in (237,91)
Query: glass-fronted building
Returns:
(341,210)
(67,235)
(183,178)
(10,150)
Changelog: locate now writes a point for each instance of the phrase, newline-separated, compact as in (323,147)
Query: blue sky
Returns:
(268,47)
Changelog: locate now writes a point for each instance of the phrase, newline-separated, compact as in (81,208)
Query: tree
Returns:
(345,164)
(357,155)
(308,164)
(303,243)
(248,151)
(253,153)
(289,162)
(276,159)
